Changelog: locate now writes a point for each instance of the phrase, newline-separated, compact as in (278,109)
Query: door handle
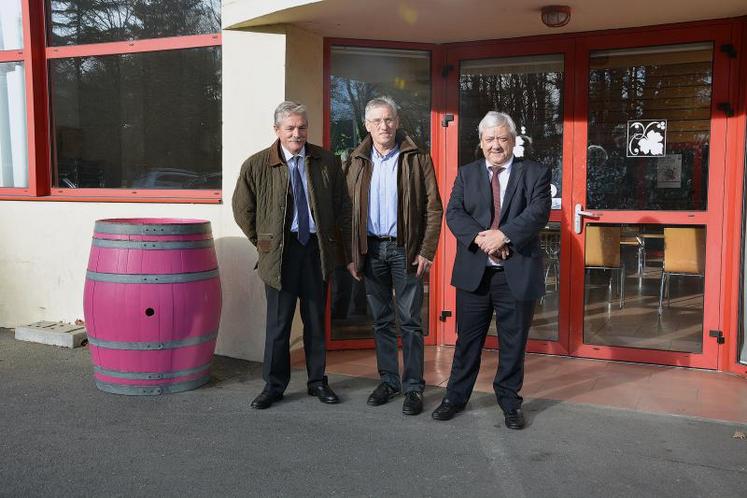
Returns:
(578,213)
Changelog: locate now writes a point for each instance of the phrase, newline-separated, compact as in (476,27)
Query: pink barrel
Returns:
(152,304)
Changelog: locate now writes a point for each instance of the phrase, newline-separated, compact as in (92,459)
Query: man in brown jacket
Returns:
(291,202)
(396,224)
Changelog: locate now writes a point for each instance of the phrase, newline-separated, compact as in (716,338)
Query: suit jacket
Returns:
(524,212)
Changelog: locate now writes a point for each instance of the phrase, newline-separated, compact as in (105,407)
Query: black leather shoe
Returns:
(265,400)
(446,410)
(514,419)
(383,393)
(413,404)
(324,393)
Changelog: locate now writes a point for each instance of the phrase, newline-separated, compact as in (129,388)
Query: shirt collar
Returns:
(288,156)
(506,166)
(375,153)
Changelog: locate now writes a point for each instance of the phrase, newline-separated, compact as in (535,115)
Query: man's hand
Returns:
(423,265)
(501,253)
(353,272)
(491,241)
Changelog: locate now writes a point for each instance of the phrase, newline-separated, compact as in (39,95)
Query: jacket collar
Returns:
(406,145)
(277,158)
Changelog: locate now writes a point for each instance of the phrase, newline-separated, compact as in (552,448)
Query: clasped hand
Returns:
(493,243)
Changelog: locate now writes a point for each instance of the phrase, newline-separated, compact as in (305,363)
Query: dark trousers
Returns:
(301,278)
(386,270)
(513,319)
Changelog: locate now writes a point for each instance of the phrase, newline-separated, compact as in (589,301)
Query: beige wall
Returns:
(45,245)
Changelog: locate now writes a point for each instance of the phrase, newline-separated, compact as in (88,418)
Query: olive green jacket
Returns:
(262,201)
(419,208)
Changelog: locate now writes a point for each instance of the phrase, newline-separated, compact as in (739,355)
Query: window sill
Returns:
(119,195)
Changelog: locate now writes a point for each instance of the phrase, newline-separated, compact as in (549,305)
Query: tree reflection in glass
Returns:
(671,83)
(76,22)
(530,90)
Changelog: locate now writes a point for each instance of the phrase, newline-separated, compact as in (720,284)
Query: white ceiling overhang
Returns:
(446,21)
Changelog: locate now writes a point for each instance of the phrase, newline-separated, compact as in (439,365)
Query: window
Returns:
(13,143)
(133,90)
(660,98)
(77,22)
(147,121)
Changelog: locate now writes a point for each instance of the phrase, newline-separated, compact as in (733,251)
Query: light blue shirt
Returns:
(302,170)
(382,194)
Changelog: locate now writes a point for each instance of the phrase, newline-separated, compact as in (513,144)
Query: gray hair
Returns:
(287,108)
(494,119)
(382,101)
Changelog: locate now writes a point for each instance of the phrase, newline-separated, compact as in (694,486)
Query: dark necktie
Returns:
(495,187)
(299,199)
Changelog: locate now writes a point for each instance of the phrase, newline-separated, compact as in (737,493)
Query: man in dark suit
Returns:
(291,202)
(497,207)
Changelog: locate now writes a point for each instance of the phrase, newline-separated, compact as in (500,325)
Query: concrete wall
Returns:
(45,245)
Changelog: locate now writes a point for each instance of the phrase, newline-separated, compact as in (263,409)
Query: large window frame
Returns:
(35,56)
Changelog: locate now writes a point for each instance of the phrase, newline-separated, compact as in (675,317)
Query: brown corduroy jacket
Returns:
(419,208)
(261,202)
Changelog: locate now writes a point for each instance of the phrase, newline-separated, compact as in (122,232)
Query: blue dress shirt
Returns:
(382,194)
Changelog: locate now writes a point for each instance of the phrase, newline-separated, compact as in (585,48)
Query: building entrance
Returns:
(636,144)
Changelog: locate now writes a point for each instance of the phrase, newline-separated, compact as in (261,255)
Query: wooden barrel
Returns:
(152,304)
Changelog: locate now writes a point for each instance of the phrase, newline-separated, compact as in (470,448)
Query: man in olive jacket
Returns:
(291,202)
(396,224)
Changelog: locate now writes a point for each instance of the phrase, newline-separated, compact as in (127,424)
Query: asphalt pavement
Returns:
(60,436)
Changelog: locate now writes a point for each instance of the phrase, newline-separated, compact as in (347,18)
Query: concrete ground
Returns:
(60,436)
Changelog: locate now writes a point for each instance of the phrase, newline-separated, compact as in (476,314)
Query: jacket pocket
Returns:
(264,242)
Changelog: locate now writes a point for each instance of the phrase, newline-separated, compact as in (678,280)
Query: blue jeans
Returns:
(386,271)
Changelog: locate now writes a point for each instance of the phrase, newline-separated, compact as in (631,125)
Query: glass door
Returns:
(529,82)
(355,75)
(647,203)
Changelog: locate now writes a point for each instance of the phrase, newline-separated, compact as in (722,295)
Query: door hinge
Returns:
(718,335)
(448,118)
(444,315)
(729,50)
(726,107)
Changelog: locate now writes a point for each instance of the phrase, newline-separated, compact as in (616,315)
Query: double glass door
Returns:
(635,140)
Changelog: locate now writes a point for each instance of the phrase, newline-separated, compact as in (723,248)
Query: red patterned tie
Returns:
(495,186)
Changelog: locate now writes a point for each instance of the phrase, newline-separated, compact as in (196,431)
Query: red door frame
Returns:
(712,218)
(734,209)
(437,143)
(511,48)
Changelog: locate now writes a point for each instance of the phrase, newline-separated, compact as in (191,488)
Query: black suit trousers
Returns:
(301,279)
(513,319)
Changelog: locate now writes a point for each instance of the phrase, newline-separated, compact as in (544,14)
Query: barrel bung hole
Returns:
(150,312)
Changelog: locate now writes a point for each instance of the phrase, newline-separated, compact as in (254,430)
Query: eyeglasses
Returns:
(378,121)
